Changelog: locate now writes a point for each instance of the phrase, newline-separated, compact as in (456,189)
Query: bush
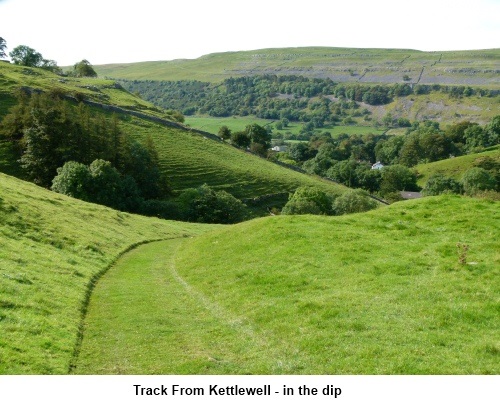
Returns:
(309,200)
(477,179)
(203,204)
(354,201)
(439,184)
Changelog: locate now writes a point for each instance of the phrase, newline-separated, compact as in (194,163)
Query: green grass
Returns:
(375,293)
(213,124)
(476,68)
(51,247)
(454,167)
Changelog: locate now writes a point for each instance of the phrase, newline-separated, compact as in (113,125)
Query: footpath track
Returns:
(143,318)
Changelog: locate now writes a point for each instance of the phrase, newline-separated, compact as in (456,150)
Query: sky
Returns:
(120,31)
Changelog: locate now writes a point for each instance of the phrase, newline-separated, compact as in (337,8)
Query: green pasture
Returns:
(213,124)
(235,124)
(391,291)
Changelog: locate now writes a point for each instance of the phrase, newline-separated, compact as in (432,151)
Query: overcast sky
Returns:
(108,31)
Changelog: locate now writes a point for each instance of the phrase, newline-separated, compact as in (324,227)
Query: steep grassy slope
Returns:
(478,68)
(51,247)
(382,292)
(454,167)
(190,160)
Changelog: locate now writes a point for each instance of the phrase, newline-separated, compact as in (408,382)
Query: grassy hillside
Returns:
(105,91)
(51,248)
(190,160)
(475,68)
(438,107)
(454,167)
(383,292)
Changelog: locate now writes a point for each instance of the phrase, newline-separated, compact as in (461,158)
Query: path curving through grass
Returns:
(143,318)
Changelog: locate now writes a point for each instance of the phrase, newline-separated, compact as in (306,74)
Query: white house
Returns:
(377,166)
(281,148)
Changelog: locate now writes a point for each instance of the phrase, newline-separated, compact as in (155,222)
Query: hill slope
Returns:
(454,167)
(51,247)
(383,292)
(475,68)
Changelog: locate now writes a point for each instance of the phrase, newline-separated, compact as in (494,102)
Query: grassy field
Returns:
(476,68)
(213,124)
(384,292)
(51,248)
(454,167)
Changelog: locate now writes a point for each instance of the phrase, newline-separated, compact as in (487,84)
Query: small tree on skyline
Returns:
(3,46)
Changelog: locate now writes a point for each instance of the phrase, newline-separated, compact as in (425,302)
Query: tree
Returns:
(99,183)
(3,46)
(354,201)
(493,131)
(439,184)
(224,132)
(73,179)
(204,204)
(397,178)
(83,69)
(309,200)
(475,137)
(26,56)
(477,179)
(240,139)
(258,134)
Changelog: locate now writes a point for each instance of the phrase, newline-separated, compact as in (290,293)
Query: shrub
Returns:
(477,179)
(309,200)
(354,201)
(439,184)
(203,204)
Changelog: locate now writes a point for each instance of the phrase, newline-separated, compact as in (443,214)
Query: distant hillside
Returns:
(13,77)
(51,248)
(473,68)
